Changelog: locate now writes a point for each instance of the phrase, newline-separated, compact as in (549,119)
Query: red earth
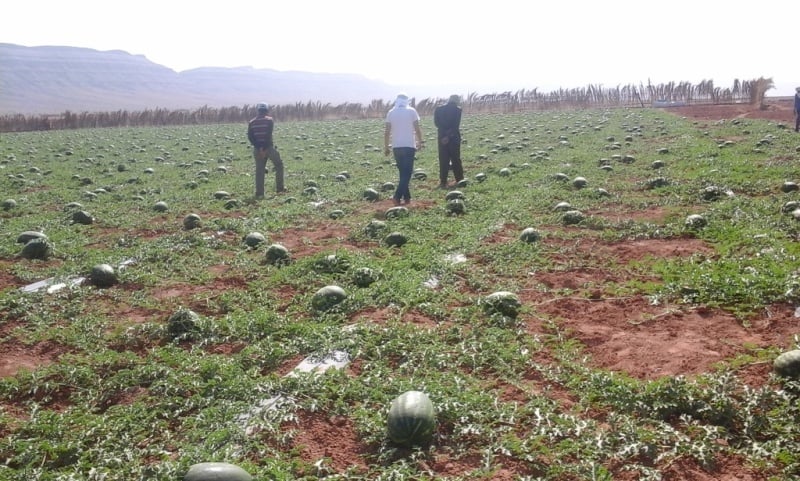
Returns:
(629,334)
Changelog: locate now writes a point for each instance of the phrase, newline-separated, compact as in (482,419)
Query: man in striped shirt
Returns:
(259,133)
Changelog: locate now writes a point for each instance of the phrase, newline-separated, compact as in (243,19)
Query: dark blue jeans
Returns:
(404,157)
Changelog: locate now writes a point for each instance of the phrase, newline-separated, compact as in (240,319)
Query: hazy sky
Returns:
(482,46)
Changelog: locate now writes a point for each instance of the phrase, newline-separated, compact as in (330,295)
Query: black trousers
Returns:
(450,158)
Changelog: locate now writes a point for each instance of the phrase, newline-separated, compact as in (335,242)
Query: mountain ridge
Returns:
(54,79)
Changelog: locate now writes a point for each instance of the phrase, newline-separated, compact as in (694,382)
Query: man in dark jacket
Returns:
(259,133)
(447,119)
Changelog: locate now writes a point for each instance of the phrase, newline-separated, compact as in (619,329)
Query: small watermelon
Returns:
(216,472)
(411,419)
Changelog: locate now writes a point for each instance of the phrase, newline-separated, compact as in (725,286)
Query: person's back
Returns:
(403,130)
(259,131)
(447,119)
(402,118)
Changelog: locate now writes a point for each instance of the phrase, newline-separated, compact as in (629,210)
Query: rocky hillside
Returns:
(48,80)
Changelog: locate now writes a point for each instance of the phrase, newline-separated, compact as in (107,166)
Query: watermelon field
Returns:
(603,298)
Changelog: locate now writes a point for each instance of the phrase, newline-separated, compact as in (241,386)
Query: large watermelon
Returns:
(411,419)
(216,472)
(328,297)
(788,364)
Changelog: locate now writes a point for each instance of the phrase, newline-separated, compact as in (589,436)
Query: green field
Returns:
(642,347)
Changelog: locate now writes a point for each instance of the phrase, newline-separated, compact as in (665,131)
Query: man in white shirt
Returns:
(403,130)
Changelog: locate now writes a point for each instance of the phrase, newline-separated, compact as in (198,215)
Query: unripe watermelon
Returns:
(216,472)
(411,419)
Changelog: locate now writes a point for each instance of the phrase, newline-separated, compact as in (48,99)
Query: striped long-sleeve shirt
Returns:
(259,131)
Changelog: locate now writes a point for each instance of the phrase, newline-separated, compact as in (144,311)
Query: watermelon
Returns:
(327,298)
(502,302)
(375,227)
(411,419)
(37,248)
(788,364)
(695,221)
(572,217)
(254,239)
(454,194)
(332,264)
(277,255)
(182,321)
(397,212)
(455,207)
(371,195)
(395,239)
(529,235)
(365,276)
(216,472)
(103,275)
(28,235)
(82,217)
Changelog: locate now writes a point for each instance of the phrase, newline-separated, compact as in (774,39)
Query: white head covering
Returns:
(401,101)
